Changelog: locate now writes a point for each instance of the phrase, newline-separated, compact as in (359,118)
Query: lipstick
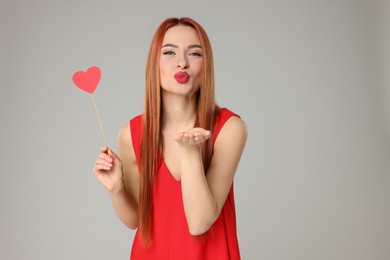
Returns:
(182,77)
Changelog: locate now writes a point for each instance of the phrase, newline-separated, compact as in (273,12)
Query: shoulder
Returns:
(230,124)
(127,133)
(125,144)
(231,135)
(234,127)
(236,124)
(124,134)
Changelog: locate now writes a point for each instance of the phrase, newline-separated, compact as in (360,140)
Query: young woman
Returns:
(173,174)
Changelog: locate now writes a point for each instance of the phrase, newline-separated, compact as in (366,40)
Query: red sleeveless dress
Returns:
(171,238)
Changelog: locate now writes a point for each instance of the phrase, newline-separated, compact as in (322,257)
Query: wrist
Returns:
(117,190)
(190,152)
(190,147)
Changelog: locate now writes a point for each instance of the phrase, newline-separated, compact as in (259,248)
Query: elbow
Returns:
(131,223)
(198,230)
(200,227)
(132,226)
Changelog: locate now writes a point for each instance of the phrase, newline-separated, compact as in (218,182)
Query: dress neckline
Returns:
(168,171)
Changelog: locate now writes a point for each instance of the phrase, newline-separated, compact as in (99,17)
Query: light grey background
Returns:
(310,78)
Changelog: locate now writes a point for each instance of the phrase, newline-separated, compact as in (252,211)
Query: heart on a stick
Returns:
(88,80)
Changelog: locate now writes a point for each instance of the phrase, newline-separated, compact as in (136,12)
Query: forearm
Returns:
(125,207)
(199,204)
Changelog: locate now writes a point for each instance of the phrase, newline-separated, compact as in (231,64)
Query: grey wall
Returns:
(310,78)
(384,43)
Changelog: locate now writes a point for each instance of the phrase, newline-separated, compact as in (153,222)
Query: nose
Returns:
(182,62)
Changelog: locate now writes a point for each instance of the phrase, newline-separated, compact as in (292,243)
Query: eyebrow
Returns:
(175,46)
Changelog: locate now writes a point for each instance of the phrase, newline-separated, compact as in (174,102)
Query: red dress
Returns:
(171,238)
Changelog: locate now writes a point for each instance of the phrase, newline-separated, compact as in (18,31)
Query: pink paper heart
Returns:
(88,80)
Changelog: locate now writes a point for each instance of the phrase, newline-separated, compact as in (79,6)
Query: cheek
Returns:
(197,70)
(162,66)
(197,67)
(163,71)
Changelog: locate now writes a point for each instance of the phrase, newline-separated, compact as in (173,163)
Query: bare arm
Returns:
(204,194)
(119,175)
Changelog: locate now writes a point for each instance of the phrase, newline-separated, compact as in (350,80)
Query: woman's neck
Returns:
(179,112)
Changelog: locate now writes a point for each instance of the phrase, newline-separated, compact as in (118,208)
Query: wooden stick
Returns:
(100,122)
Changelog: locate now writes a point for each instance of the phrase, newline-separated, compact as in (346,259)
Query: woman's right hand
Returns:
(108,170)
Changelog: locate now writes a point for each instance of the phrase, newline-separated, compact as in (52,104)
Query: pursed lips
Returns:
(182,77)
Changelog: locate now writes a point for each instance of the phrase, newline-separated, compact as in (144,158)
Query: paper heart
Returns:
(88,80)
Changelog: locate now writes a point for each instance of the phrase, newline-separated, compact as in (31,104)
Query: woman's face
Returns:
(180,61)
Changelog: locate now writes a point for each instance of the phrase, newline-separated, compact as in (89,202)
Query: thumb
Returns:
(114,156)
(202,131)
(111,154)
(206,132)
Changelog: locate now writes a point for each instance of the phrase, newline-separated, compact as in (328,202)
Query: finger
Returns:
(192,139)
(105,157)
(115,159)
(200,137)
(179,137)
(112,154)
(103,149)
(186,138)
(205,137)
(100,168)
(103,162)
(203,131)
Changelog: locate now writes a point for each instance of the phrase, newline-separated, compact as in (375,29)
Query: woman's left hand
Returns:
(193,136)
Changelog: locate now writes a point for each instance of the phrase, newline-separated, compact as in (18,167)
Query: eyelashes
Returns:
(168,53)
(194,54)
(197,54)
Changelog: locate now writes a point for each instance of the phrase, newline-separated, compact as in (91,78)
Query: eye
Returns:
(168,53)
(196,54)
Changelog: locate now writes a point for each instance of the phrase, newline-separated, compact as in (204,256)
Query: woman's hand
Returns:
(193,136)
(108,170)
